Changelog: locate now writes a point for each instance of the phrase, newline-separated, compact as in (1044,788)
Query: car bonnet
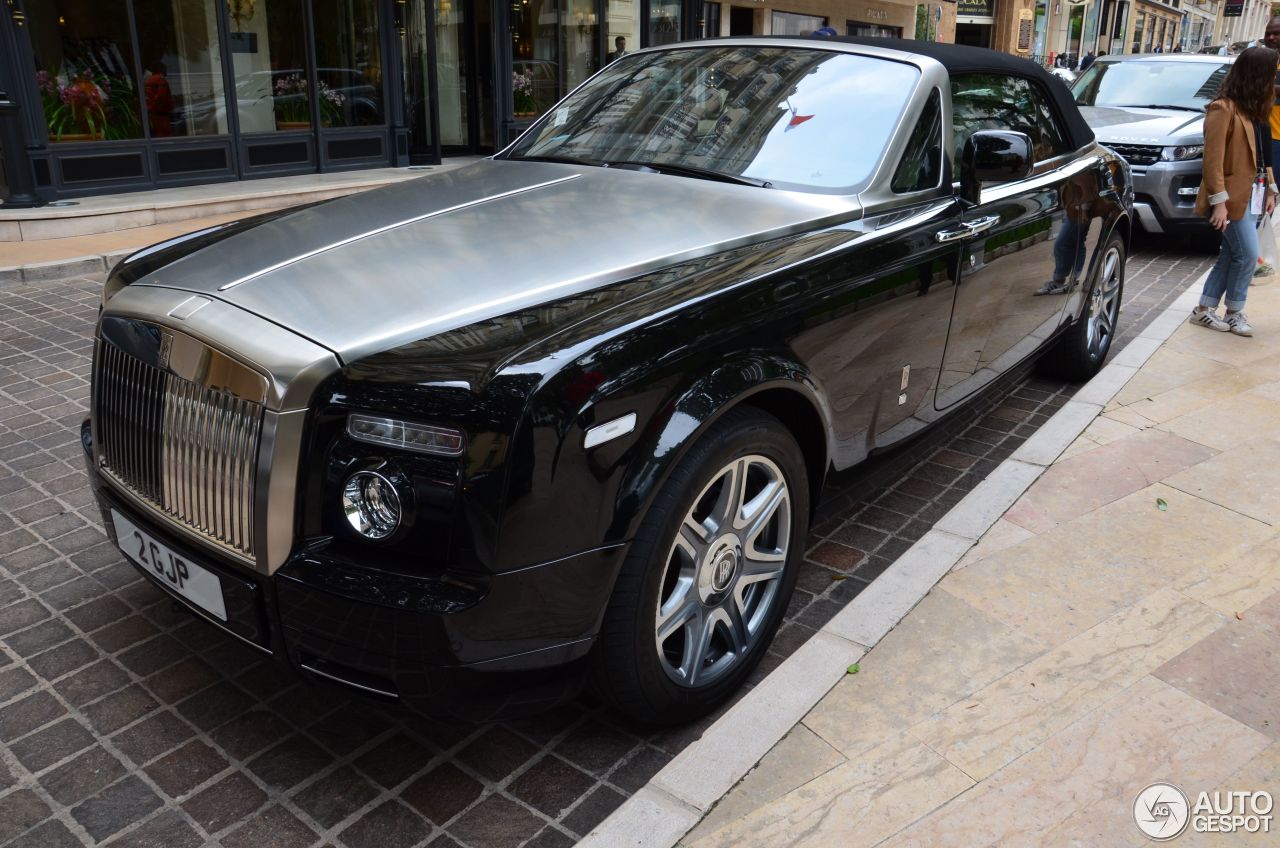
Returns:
(369,272)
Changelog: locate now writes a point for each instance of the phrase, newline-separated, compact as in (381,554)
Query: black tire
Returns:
(1079,352)
(660,682)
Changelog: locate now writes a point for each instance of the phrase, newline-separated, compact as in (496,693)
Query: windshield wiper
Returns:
(689,171)
(562,160)
(1160,106)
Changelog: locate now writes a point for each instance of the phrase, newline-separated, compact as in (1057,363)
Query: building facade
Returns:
(116,95)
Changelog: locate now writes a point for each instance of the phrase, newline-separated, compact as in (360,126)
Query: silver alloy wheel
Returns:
(1104,304)
(723,572)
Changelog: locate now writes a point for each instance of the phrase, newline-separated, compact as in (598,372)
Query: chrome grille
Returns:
(189,451)
(1137,154)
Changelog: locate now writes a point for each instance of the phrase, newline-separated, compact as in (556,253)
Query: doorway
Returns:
(464,76)
(974,35)
(742,21)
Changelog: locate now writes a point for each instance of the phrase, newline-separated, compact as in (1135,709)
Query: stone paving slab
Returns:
(124,722)
(1155,603)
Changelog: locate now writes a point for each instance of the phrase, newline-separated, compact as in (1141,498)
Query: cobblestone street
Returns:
(125,721)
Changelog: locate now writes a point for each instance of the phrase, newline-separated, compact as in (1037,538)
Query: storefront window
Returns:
(664,22)
(709,21)
(85,69)
(786,23)
(181,67)
(554,47)
(268,56)
(1041,23)
(348,63)
(579,37)
(624,23)
(1139,23)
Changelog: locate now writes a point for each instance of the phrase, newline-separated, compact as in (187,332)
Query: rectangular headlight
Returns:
(406,435)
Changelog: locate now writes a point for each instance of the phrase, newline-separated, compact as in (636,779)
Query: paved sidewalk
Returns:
(1119,626)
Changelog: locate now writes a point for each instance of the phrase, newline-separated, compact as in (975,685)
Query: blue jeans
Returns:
(1237,259)
(1068,250)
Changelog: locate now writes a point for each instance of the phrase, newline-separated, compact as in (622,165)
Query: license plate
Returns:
(198,585)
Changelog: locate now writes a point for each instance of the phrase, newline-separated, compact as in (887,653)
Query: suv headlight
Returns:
(1182,152)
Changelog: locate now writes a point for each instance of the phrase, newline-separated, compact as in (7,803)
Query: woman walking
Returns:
(1237,185)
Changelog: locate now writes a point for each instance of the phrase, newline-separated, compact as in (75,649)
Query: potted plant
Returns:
(522,94)
(292,103)
(82,106)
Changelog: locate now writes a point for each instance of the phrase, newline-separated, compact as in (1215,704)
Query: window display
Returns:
(84,55)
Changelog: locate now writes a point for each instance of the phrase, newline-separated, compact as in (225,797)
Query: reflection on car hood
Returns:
(1114,125)
(371,271)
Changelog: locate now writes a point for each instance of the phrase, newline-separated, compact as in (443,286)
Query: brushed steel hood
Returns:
(372,271)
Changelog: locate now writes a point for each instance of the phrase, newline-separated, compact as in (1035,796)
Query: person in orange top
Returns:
(1271,38)
(159,101)
(1234,171)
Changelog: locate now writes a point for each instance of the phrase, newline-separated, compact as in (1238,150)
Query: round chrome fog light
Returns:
(372,505)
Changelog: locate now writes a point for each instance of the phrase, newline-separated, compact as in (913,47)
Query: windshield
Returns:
(792,118)
(1172,84)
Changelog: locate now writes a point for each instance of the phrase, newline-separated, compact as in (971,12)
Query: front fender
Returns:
(563,498)
(696,407)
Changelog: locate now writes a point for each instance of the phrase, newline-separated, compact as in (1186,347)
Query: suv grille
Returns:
(187,450)
(1137,154)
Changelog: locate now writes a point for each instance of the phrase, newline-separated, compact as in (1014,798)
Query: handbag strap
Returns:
(1257,149)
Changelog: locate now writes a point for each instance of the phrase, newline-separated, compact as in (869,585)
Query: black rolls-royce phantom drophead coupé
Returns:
(563,414)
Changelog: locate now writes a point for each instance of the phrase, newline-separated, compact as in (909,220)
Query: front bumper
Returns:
(1165,196)
(458,646)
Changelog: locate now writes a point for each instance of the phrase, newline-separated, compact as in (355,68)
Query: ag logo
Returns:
(1161,811)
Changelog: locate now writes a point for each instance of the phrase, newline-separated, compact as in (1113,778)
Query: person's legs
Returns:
(1068,258)
(1241,274)
(1215,284)
(1244,258)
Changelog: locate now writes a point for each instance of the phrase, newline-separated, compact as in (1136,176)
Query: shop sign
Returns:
(1025,24)
(1233,10)
(975,8)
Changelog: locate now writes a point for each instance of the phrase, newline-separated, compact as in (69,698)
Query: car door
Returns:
(881,303)
(1017,241)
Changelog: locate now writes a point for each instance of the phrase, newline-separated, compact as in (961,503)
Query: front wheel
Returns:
(1078,353)
(709,574)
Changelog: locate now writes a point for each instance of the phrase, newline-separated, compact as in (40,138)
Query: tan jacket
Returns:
(1230,160)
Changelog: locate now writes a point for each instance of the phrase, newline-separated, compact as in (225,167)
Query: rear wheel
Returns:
(1078,353)
(709,574)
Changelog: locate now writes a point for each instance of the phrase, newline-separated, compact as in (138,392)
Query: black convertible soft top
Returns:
(960,59)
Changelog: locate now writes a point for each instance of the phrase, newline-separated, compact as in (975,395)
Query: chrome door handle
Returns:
(967,229)
(981,225)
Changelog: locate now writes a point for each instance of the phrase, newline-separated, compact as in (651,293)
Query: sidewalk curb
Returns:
(688,787)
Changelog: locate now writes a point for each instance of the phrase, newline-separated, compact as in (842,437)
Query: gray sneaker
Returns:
(1054,287)
(1209,318)
(1239,324)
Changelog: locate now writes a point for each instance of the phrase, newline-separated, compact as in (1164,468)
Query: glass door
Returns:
(415,22)
(464,73)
